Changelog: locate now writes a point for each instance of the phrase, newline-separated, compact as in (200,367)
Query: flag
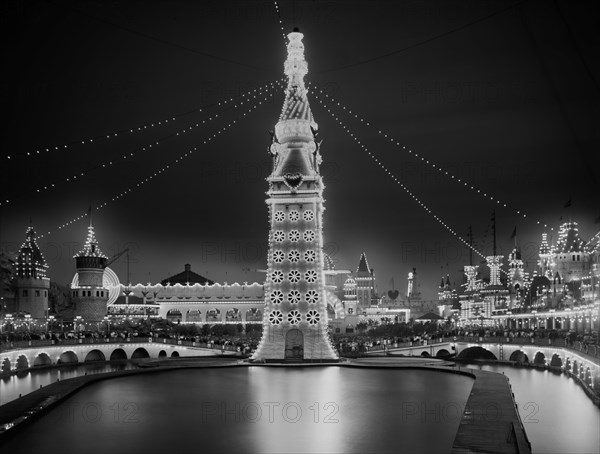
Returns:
(514,234)
(569,203)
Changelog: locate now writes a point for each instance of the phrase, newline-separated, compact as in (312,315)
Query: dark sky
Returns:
(502,94)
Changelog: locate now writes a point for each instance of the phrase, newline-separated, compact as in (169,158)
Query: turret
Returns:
(32,285)
(89,293)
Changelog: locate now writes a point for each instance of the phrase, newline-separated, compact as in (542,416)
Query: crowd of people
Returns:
(246,340)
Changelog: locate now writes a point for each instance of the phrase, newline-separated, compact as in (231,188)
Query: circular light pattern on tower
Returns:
(277,276)
(293,256)
(294,236)
(276,297)
(294,216)
(294,276)
(313,317)
(279,236)
(310,276)
(310,256)
(312,296)
(309,236)
(278,256)
(308,215)
(293,297)
(279,216)
(275,317)
(294,317)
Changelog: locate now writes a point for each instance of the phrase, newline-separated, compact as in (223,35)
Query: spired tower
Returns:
(32,284)
(89,295)
(295,317)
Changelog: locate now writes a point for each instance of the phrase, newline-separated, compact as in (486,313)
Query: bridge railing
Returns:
(589,350)
(6,346)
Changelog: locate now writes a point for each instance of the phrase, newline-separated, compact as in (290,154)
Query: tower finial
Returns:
(90,214)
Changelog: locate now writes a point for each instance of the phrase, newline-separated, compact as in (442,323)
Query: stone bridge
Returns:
(75,353)
(522,350)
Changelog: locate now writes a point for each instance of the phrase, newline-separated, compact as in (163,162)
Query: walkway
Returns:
(491,421)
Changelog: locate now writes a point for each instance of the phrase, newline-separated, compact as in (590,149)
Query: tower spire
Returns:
(494,228)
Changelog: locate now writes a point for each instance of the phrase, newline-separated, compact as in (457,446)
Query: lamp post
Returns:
(9,319)
(49,322)
(107,320)
(28,320)
(78,321)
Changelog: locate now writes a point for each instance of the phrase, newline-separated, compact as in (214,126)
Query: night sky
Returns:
(502,94)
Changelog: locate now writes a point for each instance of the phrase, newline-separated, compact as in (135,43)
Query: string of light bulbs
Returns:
(128,155)
(163,169)
(397,181)
(119,133)
(434,166)
(280,22)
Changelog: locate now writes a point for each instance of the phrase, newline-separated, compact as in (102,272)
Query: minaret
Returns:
(89,294)
(31,282)
(365,283)
(295,320)
(494,293)
(412,291)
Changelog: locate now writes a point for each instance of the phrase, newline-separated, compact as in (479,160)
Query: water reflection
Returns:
(27,381)
(256,409)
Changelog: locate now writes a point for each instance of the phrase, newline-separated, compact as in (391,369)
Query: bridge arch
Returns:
(94,355)
(476,353)
(556,360)
(118,355)
(139,353)
(175,354)
(6,365)
(42,359)
(22,363)
(539,358)
(442,353)
(68,357)
(519,356)
(162,354)
(425,355)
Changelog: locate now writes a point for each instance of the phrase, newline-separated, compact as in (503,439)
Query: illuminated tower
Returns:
(412,291)
(494,293)
(545,257)
(365,284)
(89,294)
(31,282)
(295,320)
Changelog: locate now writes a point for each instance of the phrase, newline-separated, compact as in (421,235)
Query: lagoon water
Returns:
(257,409)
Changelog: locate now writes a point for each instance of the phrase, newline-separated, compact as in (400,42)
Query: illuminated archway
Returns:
(68,357)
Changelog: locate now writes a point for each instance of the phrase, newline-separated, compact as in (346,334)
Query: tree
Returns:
(361,326)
